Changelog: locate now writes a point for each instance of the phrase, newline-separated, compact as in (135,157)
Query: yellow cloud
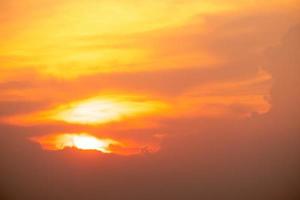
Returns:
(49,43)
(94,111)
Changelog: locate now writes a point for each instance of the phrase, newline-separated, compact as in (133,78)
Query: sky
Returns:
(147,100)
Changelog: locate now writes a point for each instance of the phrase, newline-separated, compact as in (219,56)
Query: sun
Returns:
(82,141)
(86,142)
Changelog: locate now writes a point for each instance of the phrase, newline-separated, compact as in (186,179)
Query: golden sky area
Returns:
(125,65)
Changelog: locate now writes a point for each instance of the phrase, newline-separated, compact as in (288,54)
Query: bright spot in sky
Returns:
(102,110)
(81,141)
(87,142)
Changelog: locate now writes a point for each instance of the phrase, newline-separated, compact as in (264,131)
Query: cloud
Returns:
(284,65)
(18,107)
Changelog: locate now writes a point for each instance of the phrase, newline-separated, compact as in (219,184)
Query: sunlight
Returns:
(82,141)
(94,111)
(102,110)
(86,142)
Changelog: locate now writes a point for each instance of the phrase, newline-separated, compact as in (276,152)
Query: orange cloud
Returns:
(85,141)
(49,41)
(96,110)
(188,59)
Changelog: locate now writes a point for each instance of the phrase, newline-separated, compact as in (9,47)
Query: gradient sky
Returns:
(192,99)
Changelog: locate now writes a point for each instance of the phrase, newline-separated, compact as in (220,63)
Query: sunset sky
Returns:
(168,99)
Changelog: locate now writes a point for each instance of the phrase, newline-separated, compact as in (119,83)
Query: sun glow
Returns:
(102,110)
(86,141)
(94,111)
(81,141)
